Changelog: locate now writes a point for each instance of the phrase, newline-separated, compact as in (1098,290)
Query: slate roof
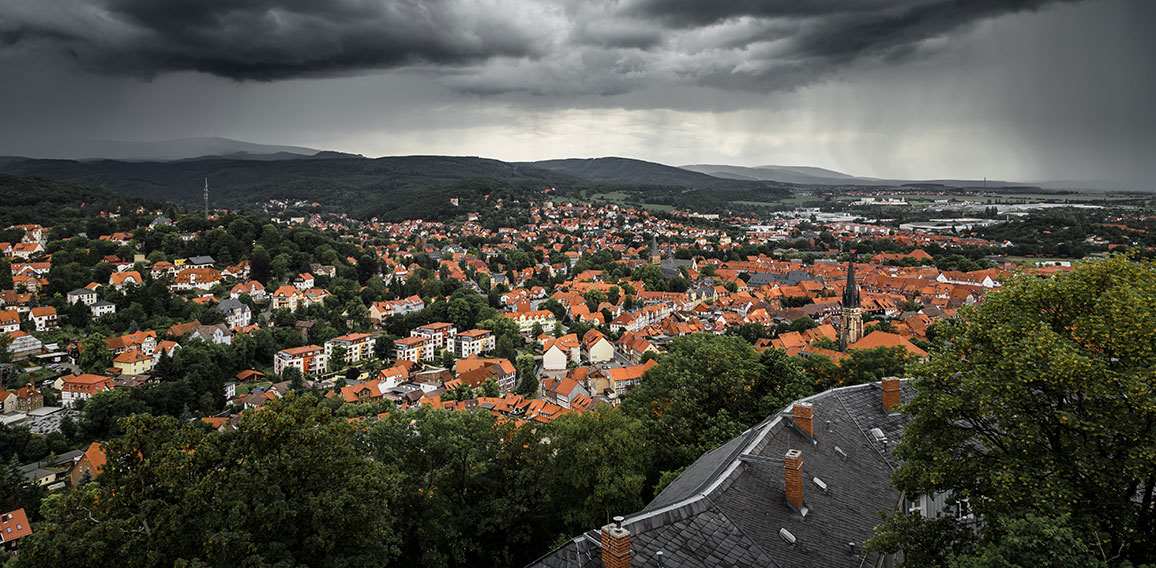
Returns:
(727,508)
(792,278)
(228,305)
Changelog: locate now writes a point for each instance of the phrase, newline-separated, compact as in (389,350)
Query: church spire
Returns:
(851,290)
(851,324)
(655,256)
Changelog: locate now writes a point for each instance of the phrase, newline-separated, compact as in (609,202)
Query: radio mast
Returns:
(206,198)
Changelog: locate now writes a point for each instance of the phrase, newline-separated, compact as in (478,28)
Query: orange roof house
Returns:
(91,463)
(877,339)
(14,525)
(119,279)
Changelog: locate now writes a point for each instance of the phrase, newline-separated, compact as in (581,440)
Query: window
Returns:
(917,505)
(963,510)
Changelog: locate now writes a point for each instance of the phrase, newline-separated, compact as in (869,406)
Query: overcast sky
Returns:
(916,89)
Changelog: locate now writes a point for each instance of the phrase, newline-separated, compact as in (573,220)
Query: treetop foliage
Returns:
(1042,400)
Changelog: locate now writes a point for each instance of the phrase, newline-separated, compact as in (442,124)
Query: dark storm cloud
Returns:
(261,39)
(494,46)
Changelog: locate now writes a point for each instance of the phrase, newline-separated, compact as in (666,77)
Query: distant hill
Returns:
(45,201)
(180,149)
(638,172)
(395,186)
(783,174)
(324,155)
(807,175)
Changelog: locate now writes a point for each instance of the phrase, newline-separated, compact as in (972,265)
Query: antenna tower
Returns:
(206,198)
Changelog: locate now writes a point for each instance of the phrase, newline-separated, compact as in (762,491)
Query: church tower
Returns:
(655,257)
(852,321)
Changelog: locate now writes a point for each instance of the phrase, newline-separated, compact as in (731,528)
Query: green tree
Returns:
(79,315)
(383,347)
(1040,401)
(708,389)
(366,267)
(473,486)
(555,307)
(527,369)
(490,388)
(613,295)
(651,277)
(5,275)
(448,359)
(289,487)
(802,324)
(102,412)
(504,347)
(1032,541)
(94,354)
(594,297)
(293,375)
(337,358)
(5,354)
(597,466)
(871,365)
(924,541)
(751,332)
(15,493)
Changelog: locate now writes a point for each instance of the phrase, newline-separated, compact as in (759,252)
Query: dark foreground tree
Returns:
(487,492)
(708,389)
(1042,402)
(288,488)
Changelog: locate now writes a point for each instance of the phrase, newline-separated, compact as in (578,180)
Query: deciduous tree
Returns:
(289,487)
(1042,401)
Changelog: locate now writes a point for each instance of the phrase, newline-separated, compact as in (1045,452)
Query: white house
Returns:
(473,342)
(598,349)
(357,346)
(82,295)
(44,318)
(236,313)
(102,308)
(558,353)
(440,334)
(309,359)
(83,387)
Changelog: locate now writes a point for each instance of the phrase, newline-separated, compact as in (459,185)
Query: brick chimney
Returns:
(801,413)
(891,396)
(793,466)
(615,545)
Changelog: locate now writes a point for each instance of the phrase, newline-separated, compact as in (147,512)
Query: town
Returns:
(211,316)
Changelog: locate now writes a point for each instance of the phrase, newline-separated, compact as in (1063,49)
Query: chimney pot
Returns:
(793,471)
(801,413)
(891,394)
(616,545)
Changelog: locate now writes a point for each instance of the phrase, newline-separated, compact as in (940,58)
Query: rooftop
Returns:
(728,507)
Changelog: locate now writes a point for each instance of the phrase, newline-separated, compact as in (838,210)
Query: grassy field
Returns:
(611,196)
